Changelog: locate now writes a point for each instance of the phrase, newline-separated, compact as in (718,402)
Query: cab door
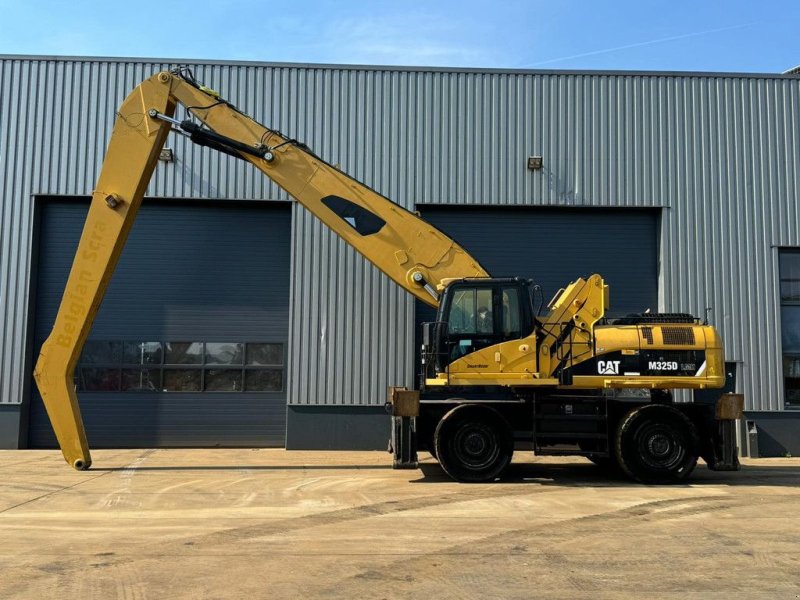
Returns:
(470,321)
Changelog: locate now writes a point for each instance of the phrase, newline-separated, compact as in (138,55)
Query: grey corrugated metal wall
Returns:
(720,154)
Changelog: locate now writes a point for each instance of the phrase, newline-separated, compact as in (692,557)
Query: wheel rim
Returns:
(661,447)
(476,446)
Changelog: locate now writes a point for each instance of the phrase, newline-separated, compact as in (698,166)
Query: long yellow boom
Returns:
(412,252)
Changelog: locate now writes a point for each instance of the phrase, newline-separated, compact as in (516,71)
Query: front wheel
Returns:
(656,444)
(473,444)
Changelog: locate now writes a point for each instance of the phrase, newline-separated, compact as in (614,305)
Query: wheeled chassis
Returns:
(563,423)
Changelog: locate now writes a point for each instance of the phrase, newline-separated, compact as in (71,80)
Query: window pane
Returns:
(141,380)
(183,353)
(101,352)
(471,312)
(791,379)
(790,275)
(790,329)
(511,312)
(264,354)
(223,380)
(790,290)
(484,322)
(790,340)
(141,353)
(98,380)
(262,380)
(182,380)
(789,262)
(462,312)
(223,354)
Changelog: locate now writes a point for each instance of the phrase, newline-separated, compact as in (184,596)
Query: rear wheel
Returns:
(656,444)
(473,444)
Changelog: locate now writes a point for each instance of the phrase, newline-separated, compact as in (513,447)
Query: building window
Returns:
(132,366)
(790,325)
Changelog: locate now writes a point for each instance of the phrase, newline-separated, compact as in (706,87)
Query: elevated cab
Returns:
(485,334)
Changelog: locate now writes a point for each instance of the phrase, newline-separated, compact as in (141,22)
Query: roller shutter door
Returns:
(189,346)
(555,246)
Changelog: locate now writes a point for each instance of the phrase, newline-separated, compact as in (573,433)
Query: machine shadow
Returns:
(539,473)
(246,468)
(583,475)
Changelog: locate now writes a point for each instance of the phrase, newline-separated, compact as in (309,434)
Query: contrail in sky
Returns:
(638,44)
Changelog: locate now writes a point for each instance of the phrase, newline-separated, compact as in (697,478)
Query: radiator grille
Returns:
(678,336)
(647,333)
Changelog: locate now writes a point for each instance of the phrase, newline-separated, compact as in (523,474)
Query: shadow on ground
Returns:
(588,474)
(542,473)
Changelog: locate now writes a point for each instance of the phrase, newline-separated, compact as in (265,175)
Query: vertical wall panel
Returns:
(719,153)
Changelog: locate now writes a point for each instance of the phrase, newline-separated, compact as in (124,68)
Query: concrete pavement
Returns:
(269,523)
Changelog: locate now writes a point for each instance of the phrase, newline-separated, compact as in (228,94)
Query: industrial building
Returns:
(236,319)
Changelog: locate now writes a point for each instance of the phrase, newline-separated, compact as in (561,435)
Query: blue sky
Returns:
(687,36)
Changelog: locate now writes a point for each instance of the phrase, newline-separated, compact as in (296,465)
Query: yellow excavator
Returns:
(497,371)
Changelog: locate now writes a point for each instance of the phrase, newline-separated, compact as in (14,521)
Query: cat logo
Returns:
(608,367)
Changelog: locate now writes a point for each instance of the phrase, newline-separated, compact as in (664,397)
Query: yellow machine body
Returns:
(594,356)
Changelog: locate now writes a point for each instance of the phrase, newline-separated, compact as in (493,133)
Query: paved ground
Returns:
(277,524)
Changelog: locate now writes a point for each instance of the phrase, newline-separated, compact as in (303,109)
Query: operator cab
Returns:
(473,314)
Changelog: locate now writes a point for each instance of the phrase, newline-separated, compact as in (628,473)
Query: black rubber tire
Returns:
(432,448)
(656,444)
(473,444)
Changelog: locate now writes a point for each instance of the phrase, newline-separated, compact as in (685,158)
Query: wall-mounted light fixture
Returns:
(534,163)
(166,155)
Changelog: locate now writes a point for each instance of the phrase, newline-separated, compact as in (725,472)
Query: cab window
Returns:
(471,312)
(509,303)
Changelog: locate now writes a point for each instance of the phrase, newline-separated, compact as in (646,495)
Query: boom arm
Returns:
(412,252)
(405,247)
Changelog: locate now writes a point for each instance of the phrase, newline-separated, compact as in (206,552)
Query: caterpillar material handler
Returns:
(497,371)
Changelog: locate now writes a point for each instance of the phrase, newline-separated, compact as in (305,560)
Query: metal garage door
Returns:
(555,246)
(189,347)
